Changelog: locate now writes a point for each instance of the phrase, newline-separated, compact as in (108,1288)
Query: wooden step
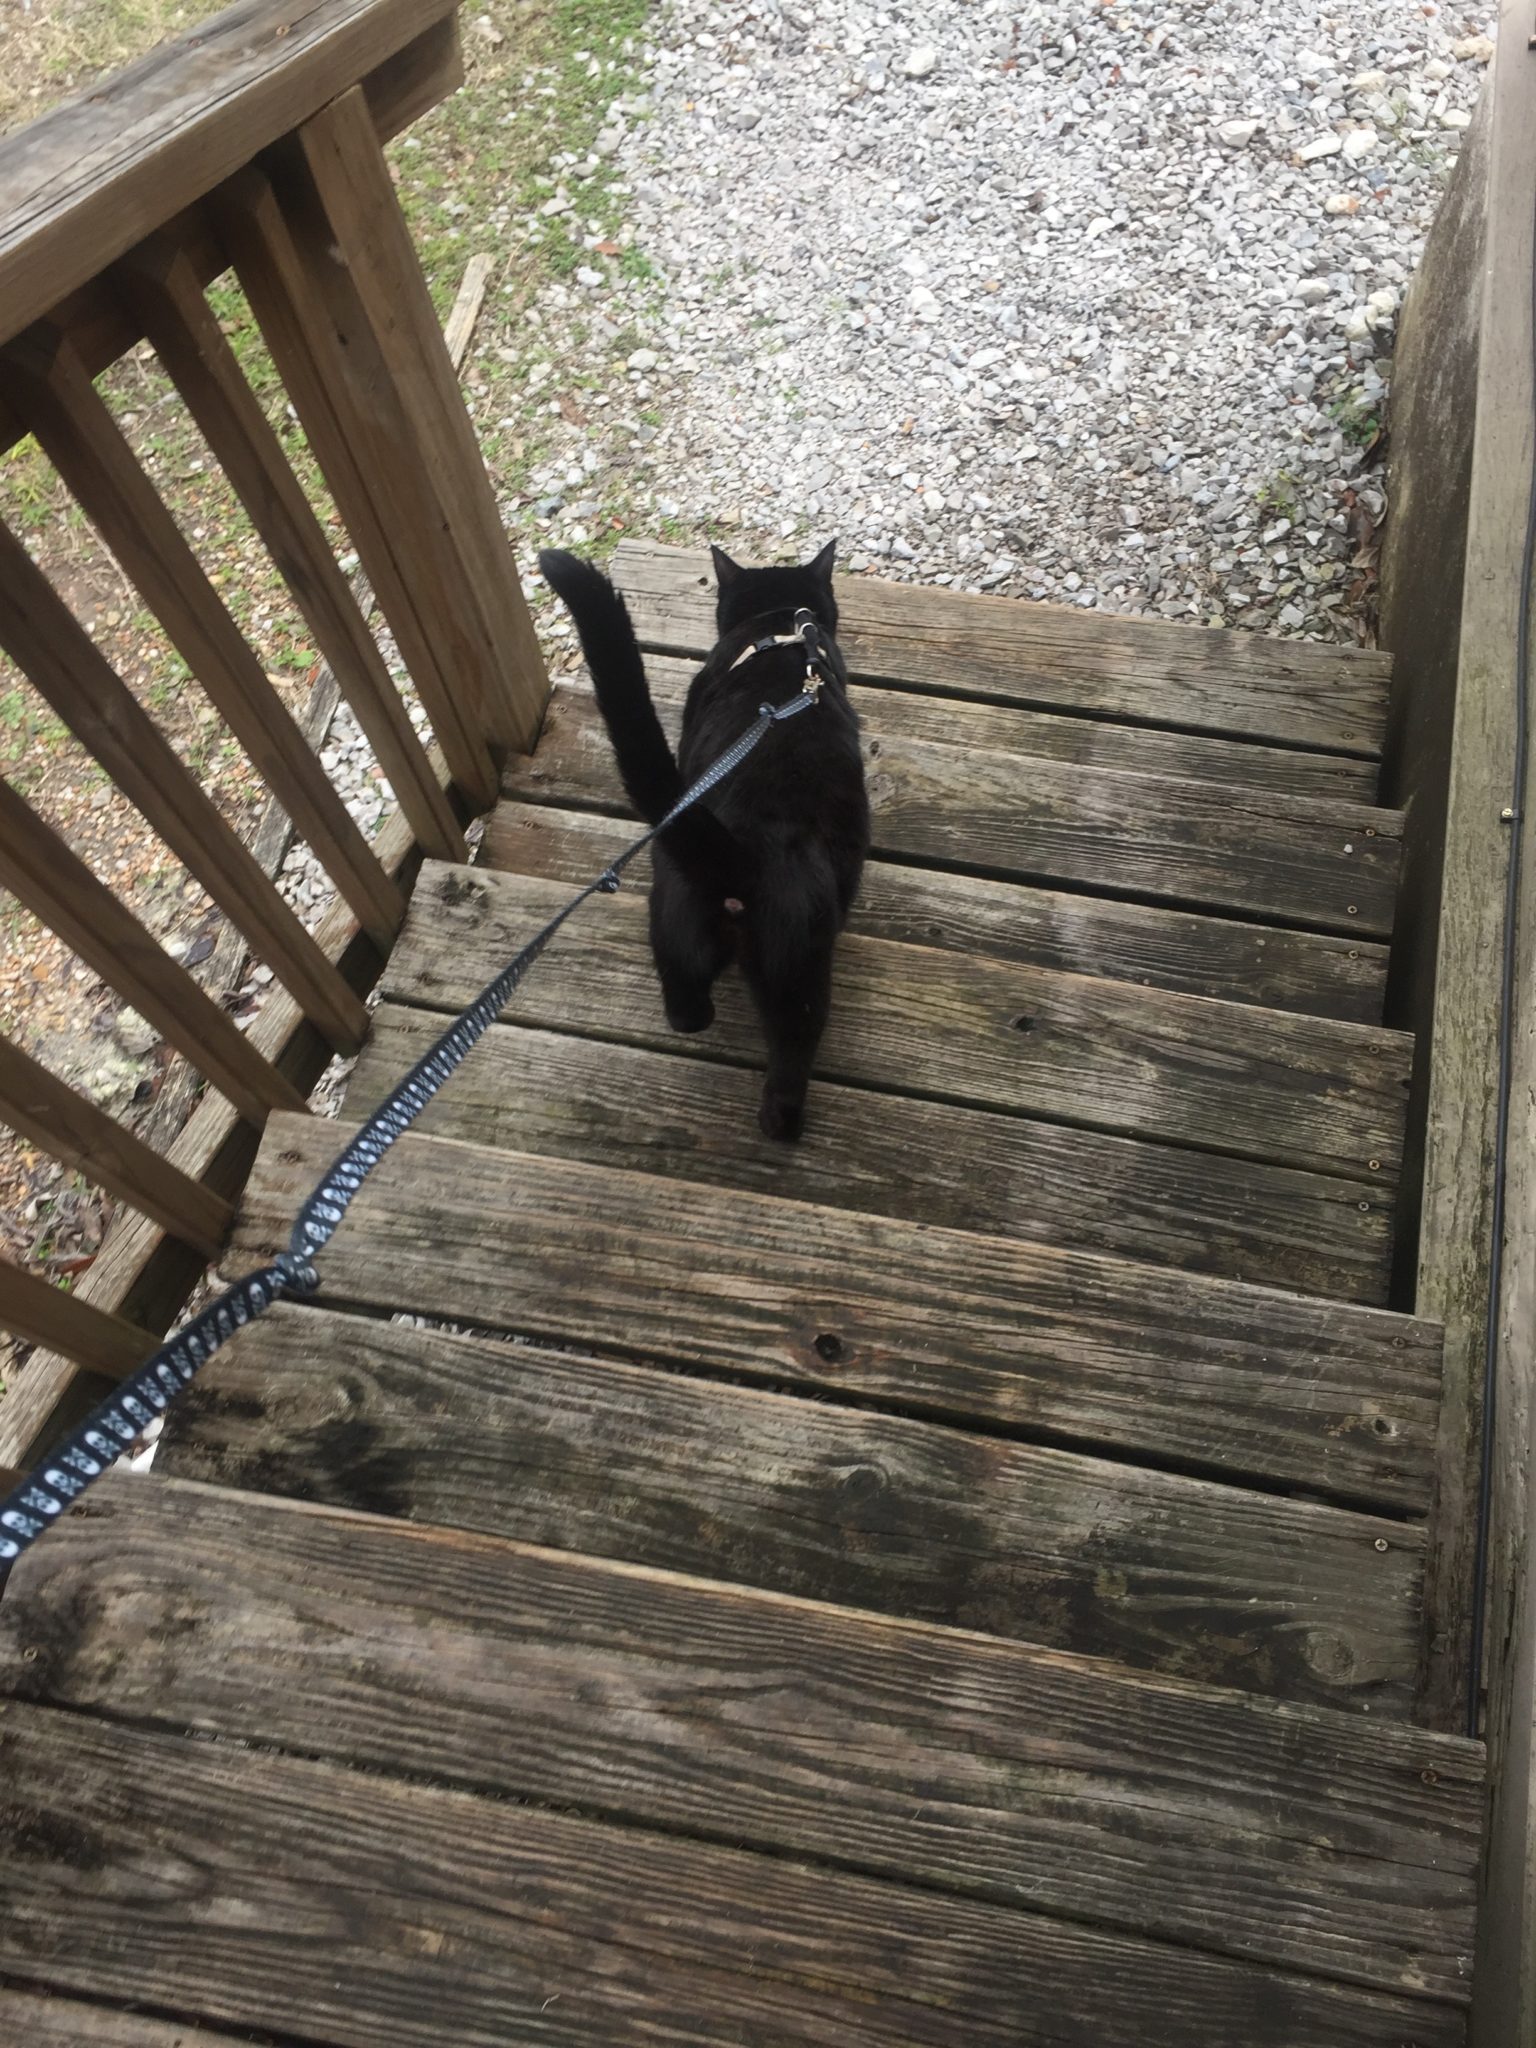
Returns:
(956,1764)
(1096,663)
(1298,1091)
(347,1910)
(1159,1571)
(1322,865)
(1048,736)
(1264,965)
(52,2022)
(1082,1350)
(618,1105)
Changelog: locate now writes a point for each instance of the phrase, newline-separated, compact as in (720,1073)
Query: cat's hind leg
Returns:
(691,945)
(788,967)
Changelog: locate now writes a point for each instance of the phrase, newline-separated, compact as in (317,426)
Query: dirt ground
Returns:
(540,73)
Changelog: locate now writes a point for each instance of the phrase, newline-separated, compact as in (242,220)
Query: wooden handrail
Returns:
(81,186)
(255,140)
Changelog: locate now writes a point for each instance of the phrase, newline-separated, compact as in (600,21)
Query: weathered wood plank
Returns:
(81,186)
(619,1105)
(1047,735)
(39,1313)
(348,180)
(1331,866)
(1299,1091)
(69,1126)
(1158,1571)
(1263,965)
(43,2022)
(80,436)
(161,282)
(284,1899)
(1337,1400)
(1059,1784)
(304,305)
(51,647)
(1151,673)
(43,872)
(399,91)
(139,1269)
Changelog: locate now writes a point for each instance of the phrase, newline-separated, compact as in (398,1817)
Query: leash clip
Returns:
(807,626)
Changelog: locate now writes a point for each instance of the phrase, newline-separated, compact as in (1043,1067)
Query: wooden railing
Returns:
(1463,451)
(255,144)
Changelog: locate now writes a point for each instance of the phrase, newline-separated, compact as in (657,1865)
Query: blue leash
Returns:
(42,1496)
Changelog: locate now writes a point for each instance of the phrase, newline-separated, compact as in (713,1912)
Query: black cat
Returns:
(765,870)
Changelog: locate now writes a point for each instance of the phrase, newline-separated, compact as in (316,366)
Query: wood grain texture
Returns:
(161,283)
(140,1270)
(43,873)
(50,647)
(1263,965)
(1297,1091)
(81,186)
(399,91)
(619,1105)
(1328,866)
(1058,1344)
(1048,736)
(1053,1783)
(77,431)
(284,1898)
(44,2022)
(41,1109)
(1158,1571)
(1142,670)
(341,391)
(352,185)
(40,1313)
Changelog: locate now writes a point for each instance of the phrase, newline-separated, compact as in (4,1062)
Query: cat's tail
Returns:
(647,764)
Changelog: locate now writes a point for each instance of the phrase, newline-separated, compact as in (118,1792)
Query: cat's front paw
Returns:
(780,1118)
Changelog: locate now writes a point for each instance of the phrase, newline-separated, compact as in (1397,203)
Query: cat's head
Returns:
(752,593)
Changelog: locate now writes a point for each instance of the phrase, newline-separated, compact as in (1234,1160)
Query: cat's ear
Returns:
(824,563)
(726,571)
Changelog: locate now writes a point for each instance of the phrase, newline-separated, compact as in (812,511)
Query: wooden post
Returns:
(347,187)
(1485,819)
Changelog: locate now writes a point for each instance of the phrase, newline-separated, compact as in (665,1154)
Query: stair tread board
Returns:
(1146,671)
(296,1896)
(1298,861)
(1266,966)
(989,1770)
(1111,1056)
(592,1099)
(1063,1345)
(1049,736)
(1158,1571)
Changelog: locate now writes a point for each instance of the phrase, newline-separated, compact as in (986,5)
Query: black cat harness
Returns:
(809,634)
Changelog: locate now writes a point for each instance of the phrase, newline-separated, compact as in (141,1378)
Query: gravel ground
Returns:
(1092,304)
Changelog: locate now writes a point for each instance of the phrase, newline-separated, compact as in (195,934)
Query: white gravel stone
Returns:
(1099,315)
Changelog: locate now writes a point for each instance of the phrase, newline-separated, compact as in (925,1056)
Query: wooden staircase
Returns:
(959,1581)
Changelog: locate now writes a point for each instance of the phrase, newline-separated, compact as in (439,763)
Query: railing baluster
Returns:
(55,885)
(367,231)
(38,1106)
(39,1313)
(354,428)
(79,435)
(47,643)
(161,285)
